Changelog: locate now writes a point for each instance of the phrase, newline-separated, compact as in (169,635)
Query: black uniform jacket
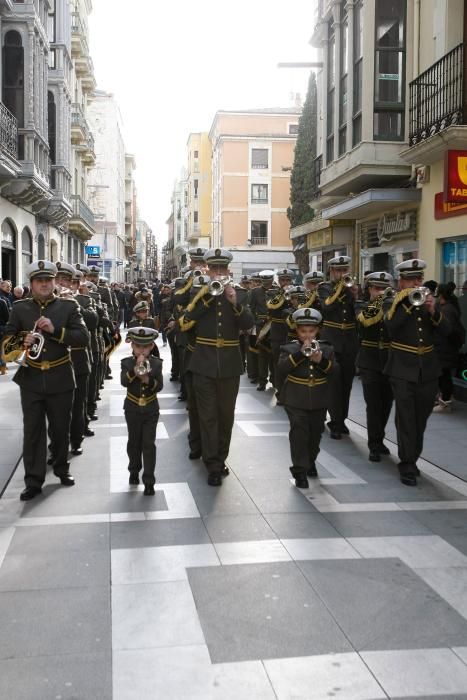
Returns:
(411,331)
(373,335)
(52,372)
(146,322)
(108,298)
(141,398)
(218,324)
(337,309)
(311,303)
(258,306)
(304,384)
(81,357)
(276,308)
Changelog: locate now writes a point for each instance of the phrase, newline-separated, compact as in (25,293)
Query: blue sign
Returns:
(93,251)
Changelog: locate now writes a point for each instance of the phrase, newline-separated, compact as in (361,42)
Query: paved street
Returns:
(355,589)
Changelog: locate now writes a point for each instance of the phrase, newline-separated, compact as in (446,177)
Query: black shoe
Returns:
(409,480)
(301,482)
(98,398)
(261,387)
(196,454)
(344,429)
(50,461)
(374,456)
(174,379)
(383,450)
(66,480)
(149,490)
(133,479)
(225,471)
(335,435)
(182,397)
(89,433)
(215,479)
(77,451)
(29,493)
(94,417)
(312,472)
(108,376)
(417,471)
(254,380)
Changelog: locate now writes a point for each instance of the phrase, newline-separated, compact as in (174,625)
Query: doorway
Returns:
(9,265)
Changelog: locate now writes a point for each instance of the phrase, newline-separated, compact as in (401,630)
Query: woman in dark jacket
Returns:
(447,347)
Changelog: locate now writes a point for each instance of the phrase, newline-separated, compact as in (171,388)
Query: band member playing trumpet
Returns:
(304,371)
(258,305)
(412,367)
(141,374)
(46,382)
(216,363)
(371,361)
(276,306)
(337,307)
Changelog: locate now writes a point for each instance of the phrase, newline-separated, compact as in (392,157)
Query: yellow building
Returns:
(198,191)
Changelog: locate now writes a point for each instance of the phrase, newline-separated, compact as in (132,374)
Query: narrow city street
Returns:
(354,589)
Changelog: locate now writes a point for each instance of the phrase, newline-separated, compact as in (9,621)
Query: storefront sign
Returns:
(319,239)
(455,177)
(444,210)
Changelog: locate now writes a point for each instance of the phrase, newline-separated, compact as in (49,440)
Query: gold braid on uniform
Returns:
(12,346)
(277,301)
(186,325)
(400,296)
(185,288)
(309,302)
(331,299)
(373,314)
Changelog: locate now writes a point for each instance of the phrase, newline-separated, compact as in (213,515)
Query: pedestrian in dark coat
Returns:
(447,346)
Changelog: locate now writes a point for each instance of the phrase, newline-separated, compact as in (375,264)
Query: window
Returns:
(259,232)
(259,194)
(195,217)
(52,120)
(259,158)
(357,75)
(331,94)
(293,129)
(195,187)
(389,94)
(195,154)
(343,100)
(13,75)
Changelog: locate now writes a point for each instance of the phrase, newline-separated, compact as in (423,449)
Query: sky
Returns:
(171,65)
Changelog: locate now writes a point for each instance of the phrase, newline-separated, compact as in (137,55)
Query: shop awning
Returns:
(372,202)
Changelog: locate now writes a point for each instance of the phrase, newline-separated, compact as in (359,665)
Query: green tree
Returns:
(301,179)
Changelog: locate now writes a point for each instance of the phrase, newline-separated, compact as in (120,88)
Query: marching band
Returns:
(307,340)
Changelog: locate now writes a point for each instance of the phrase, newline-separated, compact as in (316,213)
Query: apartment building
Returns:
(130,219)
(199,190)
(252,155)
(179,205)
(39,76)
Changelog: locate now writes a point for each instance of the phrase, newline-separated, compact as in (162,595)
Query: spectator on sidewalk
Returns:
(4,314)
(5,293)
(447,346)
(18,293)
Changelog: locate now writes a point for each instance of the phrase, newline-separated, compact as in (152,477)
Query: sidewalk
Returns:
(11,426)
(354,589)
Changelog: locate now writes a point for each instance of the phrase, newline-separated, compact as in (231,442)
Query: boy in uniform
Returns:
(141,374)
(304,377)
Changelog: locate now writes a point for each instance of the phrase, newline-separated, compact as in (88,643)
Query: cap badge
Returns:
(341,260)
(199,251)
(217,252)
(314,274)
(415,263)
(141,331)
(307,313)
(58,265)
(78,266)
(382,276)
(41,265)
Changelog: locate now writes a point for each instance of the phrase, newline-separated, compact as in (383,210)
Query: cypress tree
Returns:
(301,179)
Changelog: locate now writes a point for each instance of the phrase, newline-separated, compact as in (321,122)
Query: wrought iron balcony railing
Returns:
(82,211)
(437,98)
(8,131)
(259,240)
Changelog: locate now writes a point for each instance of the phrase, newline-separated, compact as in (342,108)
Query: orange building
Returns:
(252,156)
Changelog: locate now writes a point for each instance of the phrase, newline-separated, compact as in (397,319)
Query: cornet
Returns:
(34,351)
(309,350)
(217,286)
(142,368)
(418,296)
(349,281)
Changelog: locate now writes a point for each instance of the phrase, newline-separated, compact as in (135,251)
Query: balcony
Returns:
(81,136)
(438,110)
(9,166)
(82,222)
(261,240)
(79,43)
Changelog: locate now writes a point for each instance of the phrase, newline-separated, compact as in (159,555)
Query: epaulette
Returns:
(400,296)
(185,288)
(334,297)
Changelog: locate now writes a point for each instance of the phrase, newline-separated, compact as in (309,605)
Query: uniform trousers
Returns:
(252,358)
(194,435)
(377,392)
(341,386)
(414,404)
(141,445)
(181,349)
(265,363)
(276,352)
(306,428)
(36,408)
(216,398)
(174,371)
(78,414)
(92,386)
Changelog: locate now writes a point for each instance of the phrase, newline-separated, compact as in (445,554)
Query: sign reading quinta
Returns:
(455,177)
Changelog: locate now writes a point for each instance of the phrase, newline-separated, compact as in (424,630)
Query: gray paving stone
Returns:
(262,611)
(136,501)
(230,498)
(66,676)
(392,608)
(376,524)
(61,569)
(426,490)
(237,528)
(278,496)
(457,541)
(300,525)
(158,533)
(50,538)
(60,500)
(444,522)
(49,622)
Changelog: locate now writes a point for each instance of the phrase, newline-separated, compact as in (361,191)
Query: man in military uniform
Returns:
(311,280)
(371,361)
(339,328)
(258,305)
(412,367)
(216,363)
(252,358)
(46,379)
(276,307)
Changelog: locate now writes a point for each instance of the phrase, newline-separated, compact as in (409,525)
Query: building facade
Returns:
(252,155)
(179,204)
(106,184)
(199,190)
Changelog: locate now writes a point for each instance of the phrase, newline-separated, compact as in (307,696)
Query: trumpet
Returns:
(216,287)
(309,350)
(32,352)
(349,281)
(418,296)
(142,368)
(288,292)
